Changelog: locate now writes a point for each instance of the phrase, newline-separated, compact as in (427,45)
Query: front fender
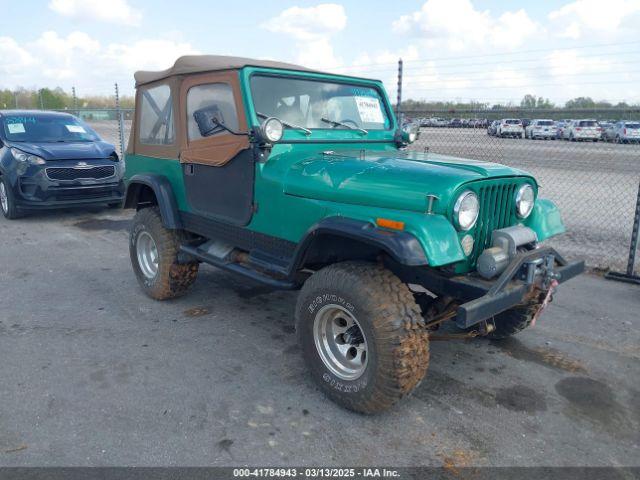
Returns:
(545,219)
(164,196)
(434,233)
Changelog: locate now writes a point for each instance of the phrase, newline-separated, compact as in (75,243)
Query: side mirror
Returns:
(209,120)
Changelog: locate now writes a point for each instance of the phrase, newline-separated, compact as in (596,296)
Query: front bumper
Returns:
(528,273)
(37,189)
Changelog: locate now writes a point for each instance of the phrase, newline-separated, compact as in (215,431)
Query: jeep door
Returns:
(217,162)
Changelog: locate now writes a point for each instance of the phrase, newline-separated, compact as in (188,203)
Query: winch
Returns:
(504,247)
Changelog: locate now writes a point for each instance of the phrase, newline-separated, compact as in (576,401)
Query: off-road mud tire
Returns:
(173,279)
(398,344)
(512,321)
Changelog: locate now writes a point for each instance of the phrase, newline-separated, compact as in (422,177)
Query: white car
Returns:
(510,127)
(542,128)
(623,132)
(580,130)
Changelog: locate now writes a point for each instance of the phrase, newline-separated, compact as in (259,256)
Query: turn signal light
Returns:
(391,224)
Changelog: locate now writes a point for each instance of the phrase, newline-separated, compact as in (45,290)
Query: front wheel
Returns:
(7,202)
(362,335)
(512,321)
(154,256)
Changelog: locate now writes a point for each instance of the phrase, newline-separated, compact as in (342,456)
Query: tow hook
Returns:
(487,326)
(547,300)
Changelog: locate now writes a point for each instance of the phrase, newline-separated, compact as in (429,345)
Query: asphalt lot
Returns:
(95,373)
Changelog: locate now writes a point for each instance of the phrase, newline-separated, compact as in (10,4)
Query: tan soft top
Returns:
(210,63)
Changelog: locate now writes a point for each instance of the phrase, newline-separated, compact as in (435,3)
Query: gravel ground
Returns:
(95,373)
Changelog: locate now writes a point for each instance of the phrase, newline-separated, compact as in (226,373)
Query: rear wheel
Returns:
(7,202)
(154,256)
(362,335)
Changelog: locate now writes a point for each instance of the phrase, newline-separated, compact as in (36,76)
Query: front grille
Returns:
(497,210)
(71,173)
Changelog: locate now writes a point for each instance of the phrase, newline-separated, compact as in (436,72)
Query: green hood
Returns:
(398,180)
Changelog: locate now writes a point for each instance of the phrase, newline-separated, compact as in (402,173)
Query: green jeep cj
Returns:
(299,179)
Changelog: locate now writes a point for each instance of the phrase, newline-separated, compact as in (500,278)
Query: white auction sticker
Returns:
(15,127)
(76,129)
(369,109)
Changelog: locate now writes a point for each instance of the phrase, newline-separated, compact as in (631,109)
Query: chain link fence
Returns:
(595,182)
(113,125)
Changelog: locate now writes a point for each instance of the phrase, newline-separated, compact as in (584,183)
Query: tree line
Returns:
(528,102)
(57,99)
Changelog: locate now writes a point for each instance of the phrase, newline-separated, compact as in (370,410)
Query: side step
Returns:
(237,268)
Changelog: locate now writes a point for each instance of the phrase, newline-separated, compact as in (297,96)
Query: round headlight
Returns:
(466,210)
(413,135)
(273,129)
(525,199)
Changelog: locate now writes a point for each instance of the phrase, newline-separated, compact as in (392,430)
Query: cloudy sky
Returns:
(485,50)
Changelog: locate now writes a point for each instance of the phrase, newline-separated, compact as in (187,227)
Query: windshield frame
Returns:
(386,135)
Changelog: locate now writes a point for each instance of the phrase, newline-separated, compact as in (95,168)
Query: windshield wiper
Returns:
(287,124)
(335,123)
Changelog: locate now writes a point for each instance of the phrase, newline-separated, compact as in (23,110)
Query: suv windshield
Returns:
(46,128)
(319,104)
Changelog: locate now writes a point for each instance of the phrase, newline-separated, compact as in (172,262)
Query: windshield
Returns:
(545,122)
(587,123)
(632,125)
(512,122)
(319,104)
(46,128)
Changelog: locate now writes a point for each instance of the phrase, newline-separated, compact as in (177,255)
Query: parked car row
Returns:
(453,122)
(627,131)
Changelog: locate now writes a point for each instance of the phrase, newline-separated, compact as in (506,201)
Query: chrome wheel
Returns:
(147,254)
(4,198)
(340,342)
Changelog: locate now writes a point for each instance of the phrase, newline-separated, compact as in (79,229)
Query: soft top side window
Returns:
(156,116)
(214,99)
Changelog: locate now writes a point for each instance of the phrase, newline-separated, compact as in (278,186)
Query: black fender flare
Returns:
(402,246)
(164,195)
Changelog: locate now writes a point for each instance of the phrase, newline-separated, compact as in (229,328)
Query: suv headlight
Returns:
(23,157)
(525,199)
(466,210)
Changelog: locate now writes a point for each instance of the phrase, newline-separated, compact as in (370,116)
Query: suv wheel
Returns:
(362,335)
(7,203)
(154,255)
